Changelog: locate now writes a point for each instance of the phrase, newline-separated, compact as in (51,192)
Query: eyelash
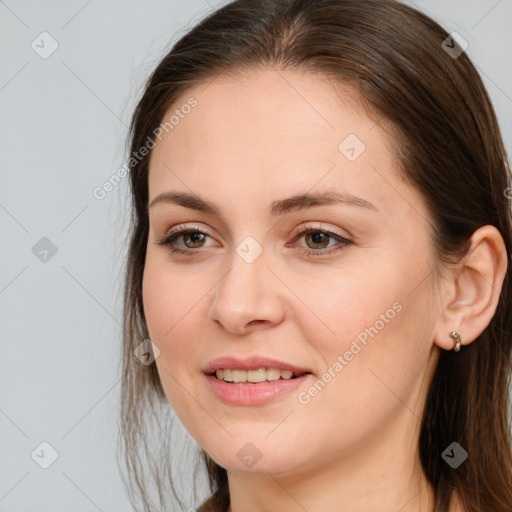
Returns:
(169,239)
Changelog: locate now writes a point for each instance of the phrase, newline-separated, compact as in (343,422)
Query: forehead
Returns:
(272,130)
(267,109)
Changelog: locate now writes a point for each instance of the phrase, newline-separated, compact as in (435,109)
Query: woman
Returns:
(319,255)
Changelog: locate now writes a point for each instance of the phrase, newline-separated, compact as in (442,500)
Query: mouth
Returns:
(237,387)
(256,376)
(253,380)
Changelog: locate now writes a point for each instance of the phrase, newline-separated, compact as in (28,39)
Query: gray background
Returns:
(62,129)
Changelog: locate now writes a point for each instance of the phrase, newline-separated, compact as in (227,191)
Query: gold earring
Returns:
(457,339)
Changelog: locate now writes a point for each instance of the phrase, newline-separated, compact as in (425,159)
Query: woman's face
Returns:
(350,302)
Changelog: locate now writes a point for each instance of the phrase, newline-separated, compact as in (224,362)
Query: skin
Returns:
(264,137)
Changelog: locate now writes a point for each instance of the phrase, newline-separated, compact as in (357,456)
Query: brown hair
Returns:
(450,149)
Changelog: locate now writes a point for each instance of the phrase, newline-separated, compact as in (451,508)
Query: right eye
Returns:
(191,237)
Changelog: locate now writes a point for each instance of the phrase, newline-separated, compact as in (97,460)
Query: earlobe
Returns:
(475,290)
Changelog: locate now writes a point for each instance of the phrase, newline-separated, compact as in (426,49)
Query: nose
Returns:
(248,297)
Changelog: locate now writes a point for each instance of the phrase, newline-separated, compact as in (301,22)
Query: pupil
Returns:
(317,238)
(195,237)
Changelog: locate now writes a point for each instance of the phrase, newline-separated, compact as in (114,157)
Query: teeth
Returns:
(259,375)
(273,374)
(286,374)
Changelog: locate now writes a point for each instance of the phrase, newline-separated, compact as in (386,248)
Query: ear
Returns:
(472,291)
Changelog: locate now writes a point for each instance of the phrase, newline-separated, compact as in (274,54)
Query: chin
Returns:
(249,459)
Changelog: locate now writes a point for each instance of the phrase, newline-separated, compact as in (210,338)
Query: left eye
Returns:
(194,238)
(320,240)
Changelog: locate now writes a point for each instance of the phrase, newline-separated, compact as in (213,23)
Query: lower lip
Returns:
(246,393)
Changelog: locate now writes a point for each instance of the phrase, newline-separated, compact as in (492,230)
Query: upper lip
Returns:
(251,363)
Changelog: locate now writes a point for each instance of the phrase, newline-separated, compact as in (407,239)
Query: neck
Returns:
(381,473)
(325,492)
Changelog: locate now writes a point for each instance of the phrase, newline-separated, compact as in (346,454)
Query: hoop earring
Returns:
(455,335)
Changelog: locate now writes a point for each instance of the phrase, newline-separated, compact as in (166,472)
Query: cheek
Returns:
(171,306)
(169,311)
(375,322)
(170,300)
(373,362)
(159,305)
(346,306)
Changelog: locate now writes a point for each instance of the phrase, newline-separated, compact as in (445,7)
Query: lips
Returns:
(250,393)
(251,363)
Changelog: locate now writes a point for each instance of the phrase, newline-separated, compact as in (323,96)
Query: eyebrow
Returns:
(279,207)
